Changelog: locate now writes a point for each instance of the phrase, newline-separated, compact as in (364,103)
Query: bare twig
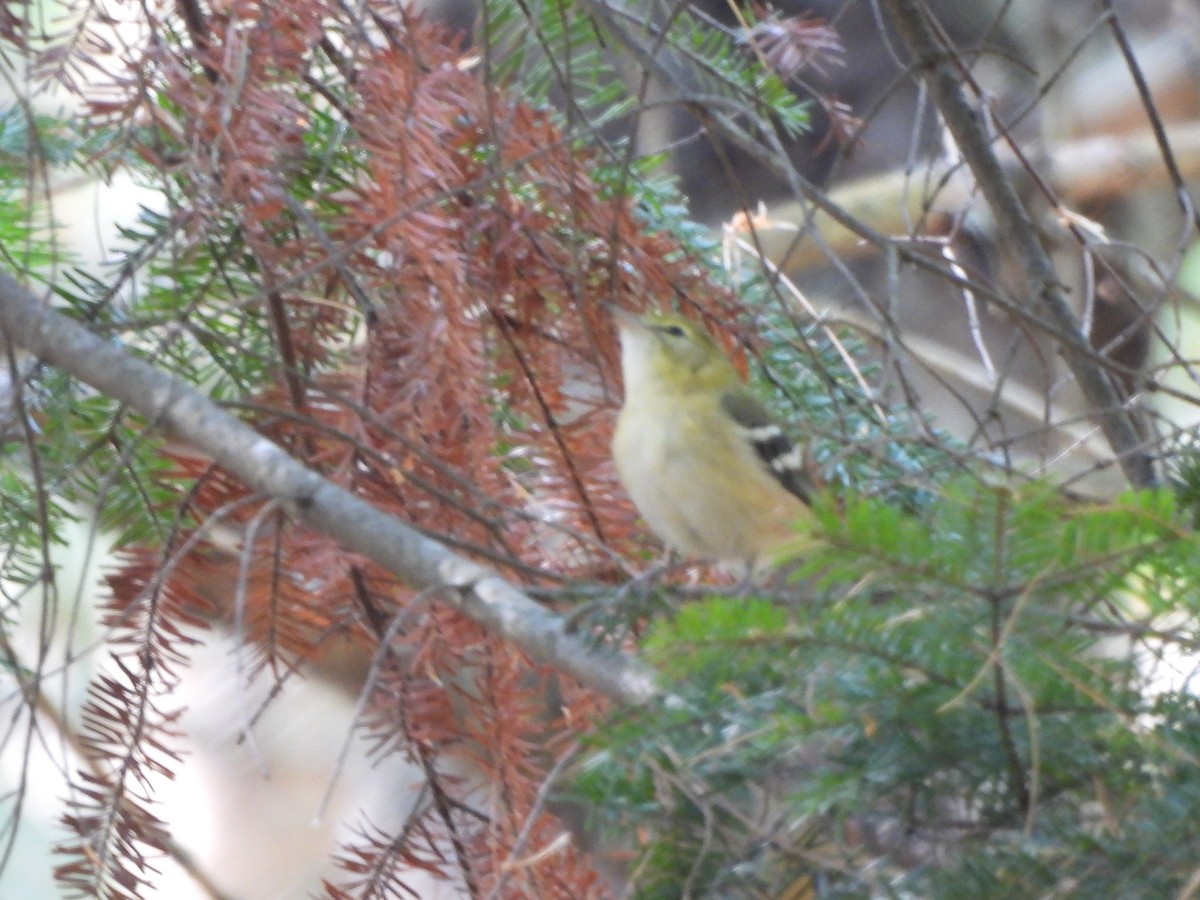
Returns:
(1186,203)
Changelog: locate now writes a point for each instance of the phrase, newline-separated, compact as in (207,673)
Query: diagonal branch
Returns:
(944,75)
(421,562)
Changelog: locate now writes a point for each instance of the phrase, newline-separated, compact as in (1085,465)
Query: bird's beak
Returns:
(626,320)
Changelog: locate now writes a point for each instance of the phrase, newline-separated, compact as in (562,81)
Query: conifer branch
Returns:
(421,562)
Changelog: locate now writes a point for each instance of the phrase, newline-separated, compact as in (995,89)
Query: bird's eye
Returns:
(674,330)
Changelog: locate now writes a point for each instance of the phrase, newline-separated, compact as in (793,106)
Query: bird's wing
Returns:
(781,457)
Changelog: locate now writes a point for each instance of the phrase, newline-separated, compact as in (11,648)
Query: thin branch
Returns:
(425,564)
(549,782)
(1186,204)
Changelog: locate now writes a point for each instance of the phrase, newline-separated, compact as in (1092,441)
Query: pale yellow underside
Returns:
(698,483)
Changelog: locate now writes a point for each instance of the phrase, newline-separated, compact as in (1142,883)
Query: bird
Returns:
(708,468)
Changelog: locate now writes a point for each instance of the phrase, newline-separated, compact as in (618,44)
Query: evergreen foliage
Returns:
(969,683)
(975,688)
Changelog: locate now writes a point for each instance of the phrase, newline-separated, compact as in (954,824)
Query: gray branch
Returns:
(945,76)
(419,561)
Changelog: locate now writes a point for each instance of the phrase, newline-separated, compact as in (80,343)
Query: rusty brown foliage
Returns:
(128,727)
(432,288)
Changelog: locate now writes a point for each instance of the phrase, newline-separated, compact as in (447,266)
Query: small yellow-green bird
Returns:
(708,468)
